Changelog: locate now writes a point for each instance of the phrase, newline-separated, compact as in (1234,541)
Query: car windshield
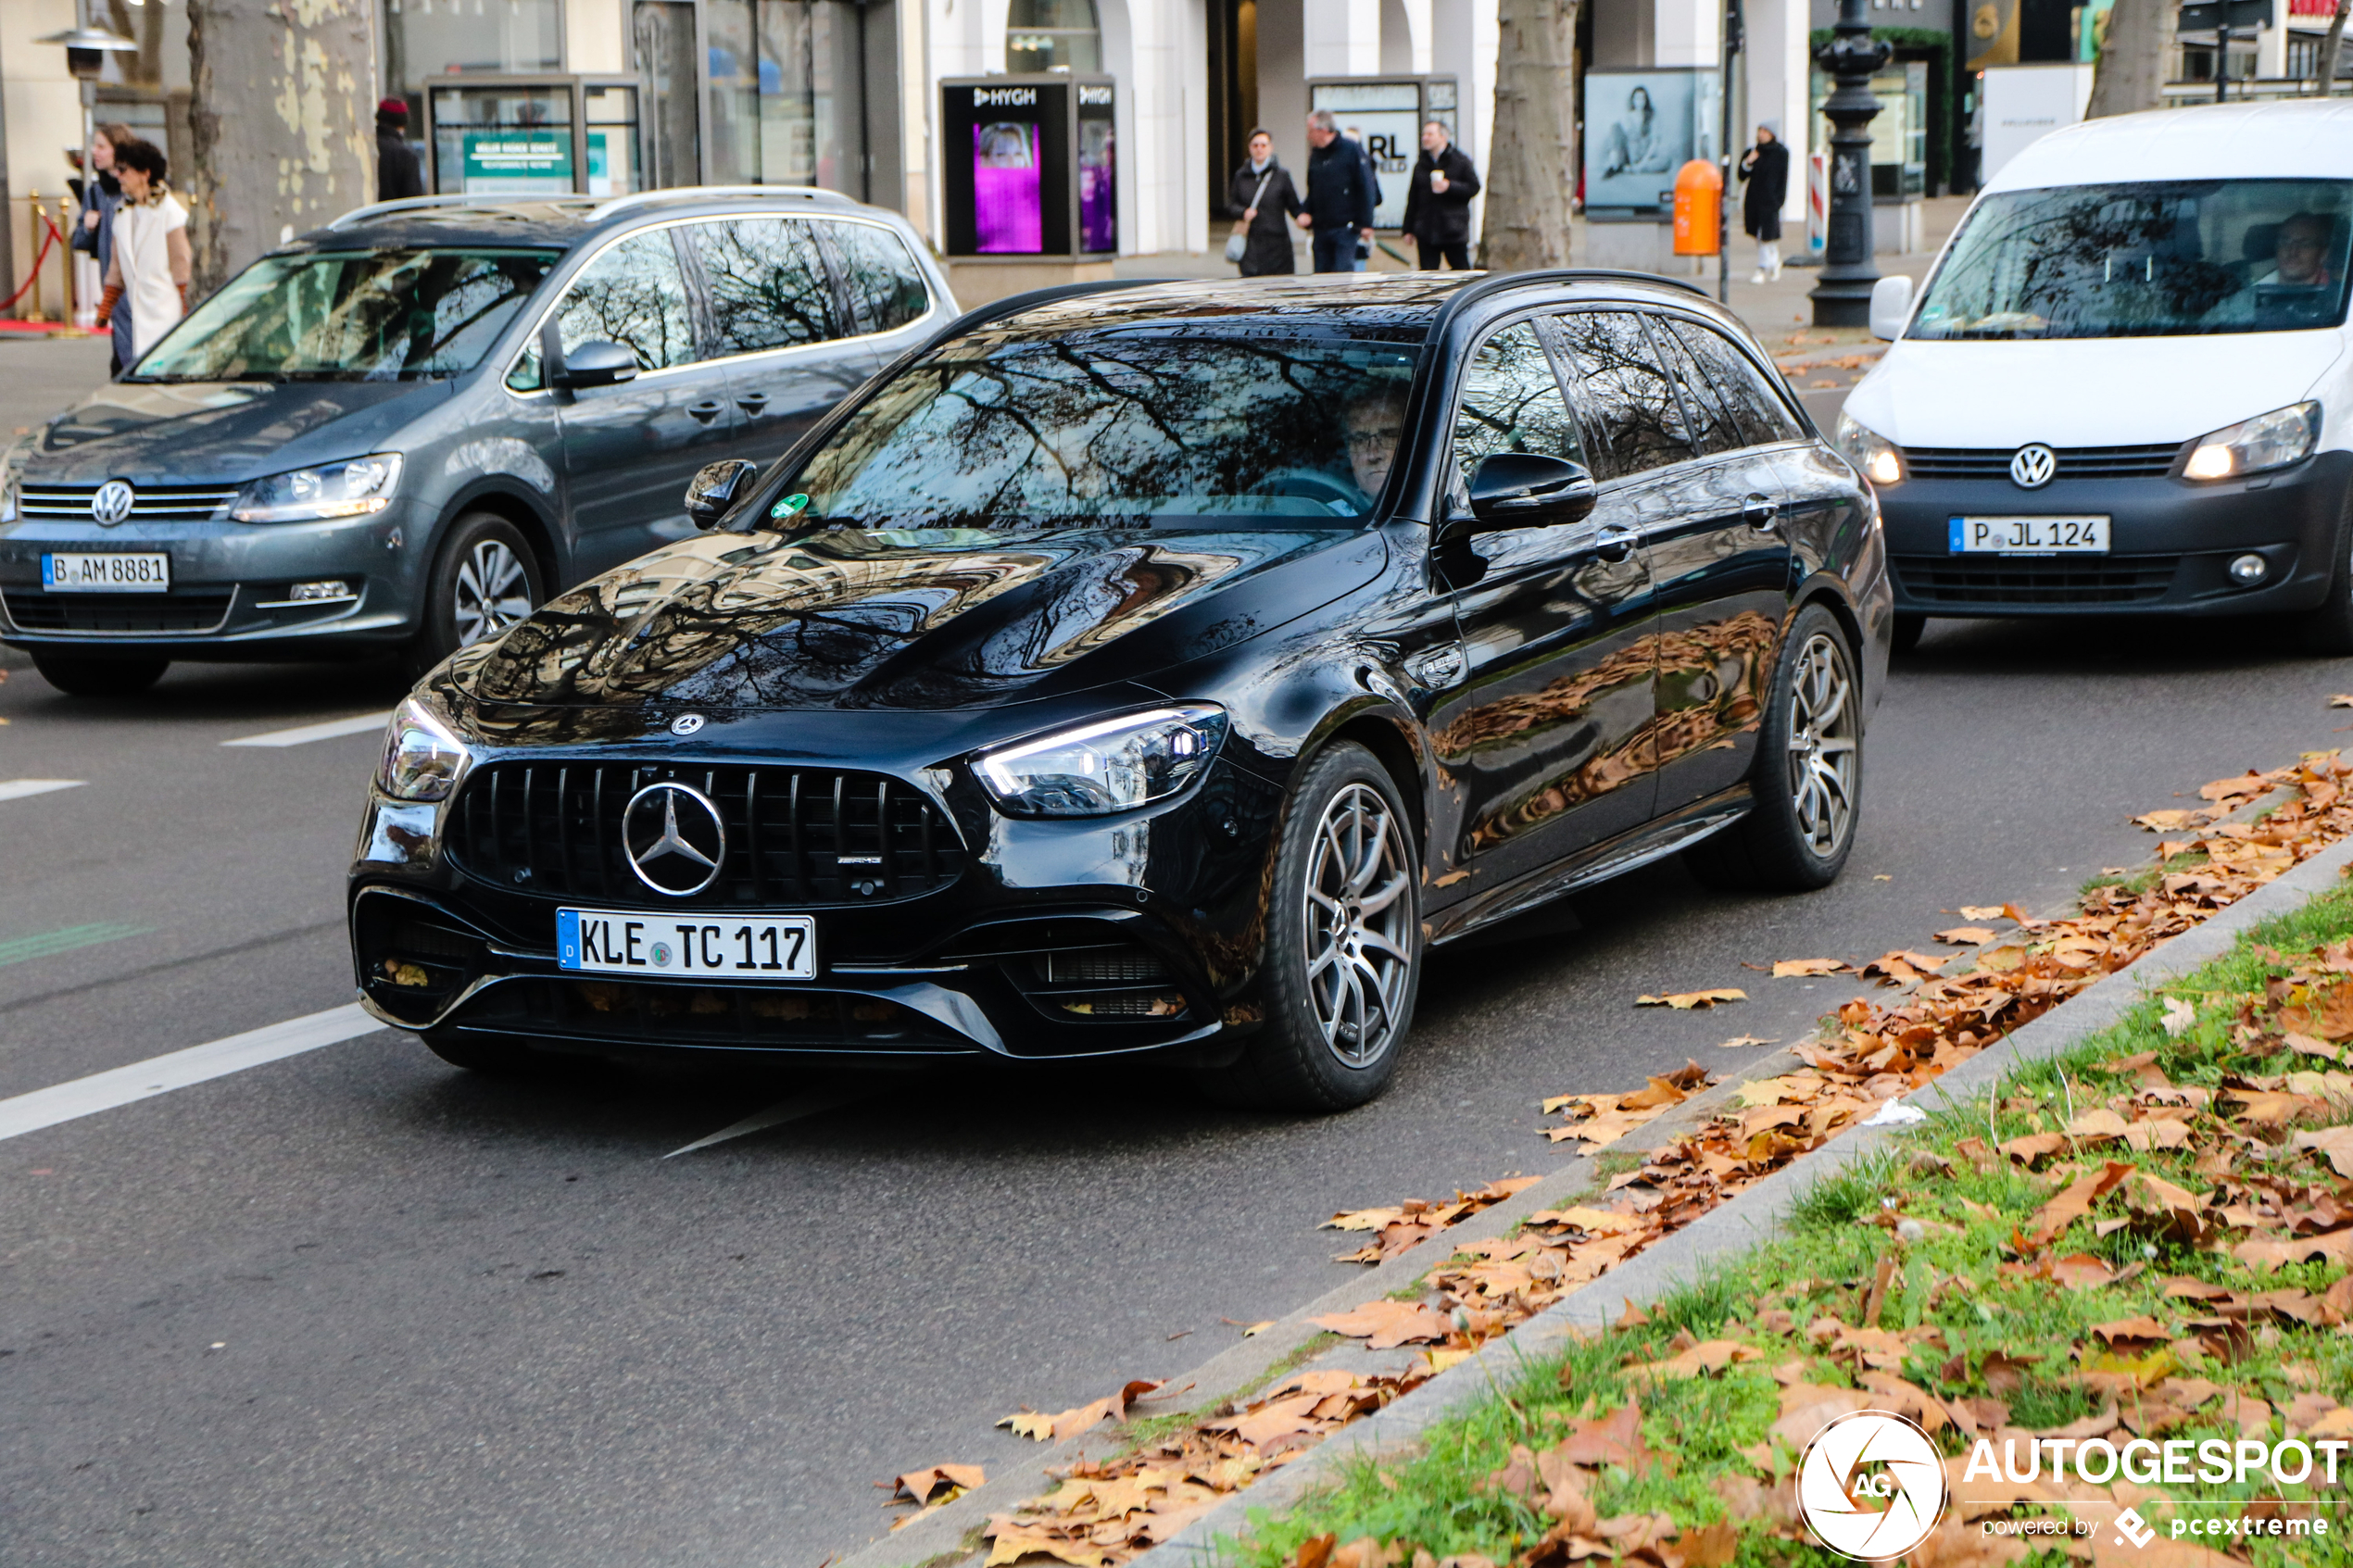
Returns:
(351,314)
(2162,260)
(1006,432)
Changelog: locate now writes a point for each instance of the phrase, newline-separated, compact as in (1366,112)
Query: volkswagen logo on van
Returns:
(112,502)
(2032,466)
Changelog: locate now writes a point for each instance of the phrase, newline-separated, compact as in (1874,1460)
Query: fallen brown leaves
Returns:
(1084,1418)
(1414,1222)
(1601,1120)
(1685,1001)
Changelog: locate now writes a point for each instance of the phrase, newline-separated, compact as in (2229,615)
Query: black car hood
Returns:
(938,619)
(196,433)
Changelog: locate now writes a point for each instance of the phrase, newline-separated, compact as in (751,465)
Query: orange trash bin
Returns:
(1699,208)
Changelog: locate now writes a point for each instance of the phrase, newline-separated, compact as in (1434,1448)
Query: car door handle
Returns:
(752,402)
(1614,544)
(1760,513)
(707,409)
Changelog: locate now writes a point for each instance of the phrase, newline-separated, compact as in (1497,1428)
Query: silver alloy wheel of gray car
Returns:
(494,592)
(1358,932)
(1824,756)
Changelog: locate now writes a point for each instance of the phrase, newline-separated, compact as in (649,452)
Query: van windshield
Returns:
(351,314)
(2159,260)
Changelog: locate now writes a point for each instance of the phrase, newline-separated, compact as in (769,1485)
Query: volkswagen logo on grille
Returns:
(2032,466)
(674,838)
(112,502)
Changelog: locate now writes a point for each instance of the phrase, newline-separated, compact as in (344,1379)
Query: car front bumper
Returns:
(2170,544)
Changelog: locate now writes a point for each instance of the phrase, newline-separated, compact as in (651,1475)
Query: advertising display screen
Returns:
(1098,171)
(1640,127)
(1007,207)
(1035,168)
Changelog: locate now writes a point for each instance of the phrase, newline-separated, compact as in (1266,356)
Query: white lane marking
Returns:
(178,1070)
(17,789)
(332,729)
(791,1109)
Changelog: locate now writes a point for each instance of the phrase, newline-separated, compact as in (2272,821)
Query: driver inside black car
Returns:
(1373,421)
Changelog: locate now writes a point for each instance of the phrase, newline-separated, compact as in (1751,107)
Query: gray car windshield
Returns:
(2162,260)
(1002,432)
(351,314)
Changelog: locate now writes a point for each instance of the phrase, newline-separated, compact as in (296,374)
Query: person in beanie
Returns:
(1438,199)
(1260,197)
(1339,195)
(1765,169)
(397,172)
(151,263)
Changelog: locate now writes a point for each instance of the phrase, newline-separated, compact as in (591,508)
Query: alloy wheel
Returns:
(1823,753)
(1359,933)
(494,592)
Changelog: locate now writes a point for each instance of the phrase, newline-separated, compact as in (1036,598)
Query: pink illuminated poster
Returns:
(1008,209)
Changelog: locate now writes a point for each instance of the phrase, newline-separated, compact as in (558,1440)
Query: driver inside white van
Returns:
(2300,254)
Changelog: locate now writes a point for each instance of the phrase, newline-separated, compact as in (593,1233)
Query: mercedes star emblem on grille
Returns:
(2032,466)
(685,725)
(111,503)
(674,838)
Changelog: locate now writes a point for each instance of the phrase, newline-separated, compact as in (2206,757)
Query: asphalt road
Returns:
(356,1306)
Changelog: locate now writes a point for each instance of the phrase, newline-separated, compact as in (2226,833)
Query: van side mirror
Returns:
(597,364)
(1526,490)
(1891,305)
(715,489)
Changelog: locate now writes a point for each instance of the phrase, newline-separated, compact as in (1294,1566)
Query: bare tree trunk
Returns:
(2137,59)
(2330,45)
(281,115)
(1531,155)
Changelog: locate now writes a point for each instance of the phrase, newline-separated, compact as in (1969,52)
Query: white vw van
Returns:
(2127,384)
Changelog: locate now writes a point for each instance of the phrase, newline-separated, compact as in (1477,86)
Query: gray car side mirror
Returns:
(716,487)
(1526,490)
(597,364)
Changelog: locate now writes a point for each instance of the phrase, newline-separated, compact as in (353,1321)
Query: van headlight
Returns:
(2267,440)
(1881,460)
(352,489)
(423,757)
(1110,765)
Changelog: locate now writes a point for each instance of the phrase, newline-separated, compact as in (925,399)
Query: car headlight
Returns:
(2268,441)
(1880,460)
(423,757)
(1112,765)
(352,489)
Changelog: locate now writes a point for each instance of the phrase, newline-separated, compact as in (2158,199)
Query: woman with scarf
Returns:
(1261,197)
(151,263)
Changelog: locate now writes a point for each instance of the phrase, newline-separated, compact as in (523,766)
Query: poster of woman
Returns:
(1640,125)
(1008,208)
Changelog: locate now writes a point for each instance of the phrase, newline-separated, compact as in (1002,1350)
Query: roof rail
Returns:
(374,210)
(1495,282)
(716,193)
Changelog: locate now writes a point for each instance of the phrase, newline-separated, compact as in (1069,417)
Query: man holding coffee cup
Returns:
(1437,200)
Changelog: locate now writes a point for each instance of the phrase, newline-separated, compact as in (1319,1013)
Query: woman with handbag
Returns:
(1260,199)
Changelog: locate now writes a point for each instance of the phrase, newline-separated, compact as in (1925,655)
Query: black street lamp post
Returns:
(1852,58)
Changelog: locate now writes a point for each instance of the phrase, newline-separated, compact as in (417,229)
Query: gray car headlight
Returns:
(1110,765)
(352,489)
(423,757)
(2267,440)
(1881,460)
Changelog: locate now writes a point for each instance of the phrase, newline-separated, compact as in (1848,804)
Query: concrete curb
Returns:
(1753,1216)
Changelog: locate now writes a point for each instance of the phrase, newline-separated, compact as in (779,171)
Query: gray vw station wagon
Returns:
(401,433)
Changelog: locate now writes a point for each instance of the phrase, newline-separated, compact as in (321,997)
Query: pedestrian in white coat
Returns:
(151,263)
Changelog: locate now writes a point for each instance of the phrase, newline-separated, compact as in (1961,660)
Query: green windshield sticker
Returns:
(788,507)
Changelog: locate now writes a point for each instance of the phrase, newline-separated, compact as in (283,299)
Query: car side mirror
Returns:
(1526,490)
(597,364)
(715,489)
(1891,305)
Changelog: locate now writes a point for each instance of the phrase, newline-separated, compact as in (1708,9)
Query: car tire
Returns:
(488,1054)
(1908,629)
(1341,964)
(99,674)
(2327,631)
(1806,782)
(485,579)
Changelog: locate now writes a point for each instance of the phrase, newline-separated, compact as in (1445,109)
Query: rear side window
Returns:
(1512,403)
(1740,386)
(884,282)
(768,288)
(1713,428)
(1632,421)
(635,294)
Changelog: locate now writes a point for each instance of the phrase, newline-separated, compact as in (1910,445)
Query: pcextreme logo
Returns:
(1872,1486)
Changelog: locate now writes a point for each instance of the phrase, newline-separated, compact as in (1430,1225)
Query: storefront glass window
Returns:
(787,102)
(1053,36)
(424,39)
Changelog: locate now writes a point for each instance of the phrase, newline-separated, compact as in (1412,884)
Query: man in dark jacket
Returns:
(397,171)
(1339,195)
(1437,200)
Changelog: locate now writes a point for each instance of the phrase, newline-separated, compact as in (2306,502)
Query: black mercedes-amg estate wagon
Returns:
(1155,668)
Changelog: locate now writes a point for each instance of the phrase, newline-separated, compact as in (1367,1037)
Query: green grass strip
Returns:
(53,942)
